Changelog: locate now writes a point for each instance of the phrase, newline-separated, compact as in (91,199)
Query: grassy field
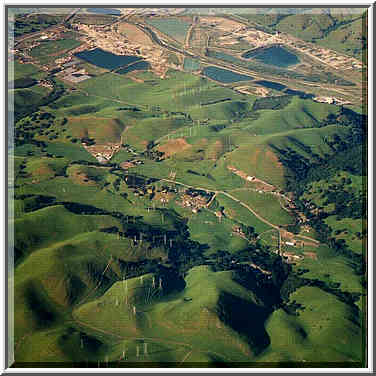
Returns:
(309,337)
(17,70)
(299,113)
(37,229)
(27,96)
(86,292)
(101,129)
(172,322)
(234,210)
(267,205)
(55,47)
(206,229)
(187,90)
(260,161)
(150,129)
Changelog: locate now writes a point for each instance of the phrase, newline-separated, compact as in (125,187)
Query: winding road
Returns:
(257,215)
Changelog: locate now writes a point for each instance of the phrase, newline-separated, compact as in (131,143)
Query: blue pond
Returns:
(140,65)
(110,11)
(106,59)
(224,75)
(280,87)
(275,55)
(299,93)
(271,85)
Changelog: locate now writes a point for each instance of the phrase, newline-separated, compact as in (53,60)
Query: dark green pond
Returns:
(140,65)
(225,76)
(275,55)
(271,85)
(280,87)
(106,59)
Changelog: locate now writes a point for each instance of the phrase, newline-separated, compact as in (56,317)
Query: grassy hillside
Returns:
(158,256)
(44,227)
(175,320)
(267,205)
(298,114)
(309,336)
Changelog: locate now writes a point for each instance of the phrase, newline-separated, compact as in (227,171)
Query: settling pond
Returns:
(275,55)
(140,65)
(106,59)
(109,11)
(283,88)
(225,76)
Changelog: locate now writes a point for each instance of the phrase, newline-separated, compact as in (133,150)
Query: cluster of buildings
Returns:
(50,36)
(237,230)
(73,74)
(292,257)
(46,83)
(195,203)
(242,174)
(106,38)
(254,37)
(103,153)
(131,163)
(331,100)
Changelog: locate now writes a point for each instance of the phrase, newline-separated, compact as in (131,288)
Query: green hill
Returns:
(309,336)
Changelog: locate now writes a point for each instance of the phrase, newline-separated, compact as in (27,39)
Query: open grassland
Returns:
(53,224)
(260,161)
(38,169)
(330,267)
(107,271)
(267,205)
(175,320)
(17,70)
(233,209)
(186,90)
(101,129)
(309,336)
(52,48)
(206,228)
(298,114)
(53,279)
(146,130)
(27,96)
(169,324)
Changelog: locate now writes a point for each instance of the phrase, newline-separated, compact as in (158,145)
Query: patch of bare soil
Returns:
(312,255)
(174,146)
(134,34)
